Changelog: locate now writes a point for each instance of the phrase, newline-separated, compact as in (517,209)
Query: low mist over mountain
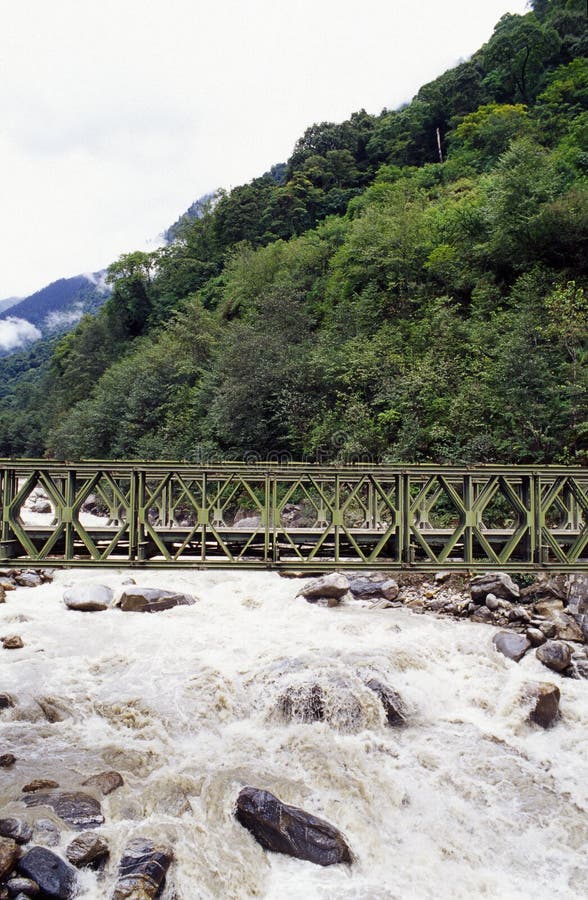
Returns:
(52,310)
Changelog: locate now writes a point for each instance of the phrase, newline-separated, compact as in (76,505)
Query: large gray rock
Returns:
(76,808)
(555,655)
(88,597)
(328,588)
(106,782)
(88,849)
(545,703)
(142,870)
(19,831)
(9,853)
(498,583)
(56,879)
(29,579)
(510,644)
(303,702)
(288,829)
(390,701)
(143,599)
(373,586)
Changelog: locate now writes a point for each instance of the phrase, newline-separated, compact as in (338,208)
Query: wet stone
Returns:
(88,597)
(88,849)
(149,600)
(545,698)
(290,830)
(390,701)
(22,887)
(142,870)
(9,853)
(39,784)
(55,877)
(6,701)
(106,782)
(536,636)
(12,642)
(373,587)
(303,703)
(555,655)
(7,760)
(512,645)
(330,588)
(19,831)
(29,579)
(47,832)
(74,807)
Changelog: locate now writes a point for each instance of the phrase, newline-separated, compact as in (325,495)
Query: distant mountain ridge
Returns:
(53,309)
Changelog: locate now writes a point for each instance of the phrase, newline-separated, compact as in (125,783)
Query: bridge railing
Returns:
(296,516)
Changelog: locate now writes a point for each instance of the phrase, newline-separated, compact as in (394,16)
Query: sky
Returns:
(115,115)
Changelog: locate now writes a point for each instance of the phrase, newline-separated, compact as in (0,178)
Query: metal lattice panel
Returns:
(293,516)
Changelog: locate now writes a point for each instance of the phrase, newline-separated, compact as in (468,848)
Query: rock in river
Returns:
(555,655)
(142,870)
(141,599)
(88,849)
(9,853)
(76,808)
(288,829)
(390,701)
(56,879)
(19,831)
(545,703)
(328,589)
(510,644)
(88,597)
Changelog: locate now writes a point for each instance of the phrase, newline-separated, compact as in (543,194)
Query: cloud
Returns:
(14,333)
(57,319)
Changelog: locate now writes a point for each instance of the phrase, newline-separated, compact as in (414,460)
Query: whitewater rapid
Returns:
(468,800)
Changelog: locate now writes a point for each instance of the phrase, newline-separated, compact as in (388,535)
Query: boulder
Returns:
(9,853)
(328,589)
(390,701)
(374,586)
(19,831)
(303,703)
(577,593)
(567,628)
(546,587)
(290,830)
(88,597)
(12,642)
(22,887)
(106,782)
(6,701)
(498,583)
(29,579)
(510,644)
(536,636)
(79,810)
(549,607)
(39,784)
(142,870)
(555,655)
(7,760)
(88,849)
(545,703)
(53,875)
(140,599)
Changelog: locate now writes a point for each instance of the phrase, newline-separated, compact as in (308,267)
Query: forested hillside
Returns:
(409,286)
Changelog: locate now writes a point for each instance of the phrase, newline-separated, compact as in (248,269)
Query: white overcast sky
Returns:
(116,114)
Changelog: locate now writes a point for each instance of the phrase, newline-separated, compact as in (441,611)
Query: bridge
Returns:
(293,517)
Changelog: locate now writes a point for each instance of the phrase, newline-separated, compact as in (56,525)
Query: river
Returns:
(468,800)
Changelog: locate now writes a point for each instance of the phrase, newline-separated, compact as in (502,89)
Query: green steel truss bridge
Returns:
(293,517)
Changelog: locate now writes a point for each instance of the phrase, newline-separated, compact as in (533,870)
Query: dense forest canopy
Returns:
(409,286)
